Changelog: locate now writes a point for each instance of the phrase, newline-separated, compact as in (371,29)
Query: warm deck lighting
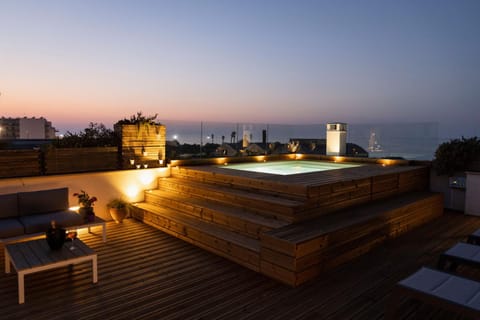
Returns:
(338,159)
(298,156)
(74,208)
(146,177)
(386,162)
(220,160)
(132,161)
(132,192)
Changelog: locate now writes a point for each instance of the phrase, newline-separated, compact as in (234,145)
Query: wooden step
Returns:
(268,205)
(238,248)
(250,181)
(296,253)
(229,217)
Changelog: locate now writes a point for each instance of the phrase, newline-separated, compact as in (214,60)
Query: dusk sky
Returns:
(278,62)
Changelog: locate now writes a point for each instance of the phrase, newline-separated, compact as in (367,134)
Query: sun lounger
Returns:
(440,289)
(461,253)
(474,238)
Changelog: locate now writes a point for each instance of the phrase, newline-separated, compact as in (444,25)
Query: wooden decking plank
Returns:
(356,290)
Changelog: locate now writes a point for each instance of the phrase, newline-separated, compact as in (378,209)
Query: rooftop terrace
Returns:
(147,274)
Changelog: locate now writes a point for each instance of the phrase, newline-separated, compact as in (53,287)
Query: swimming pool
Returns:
(285,168)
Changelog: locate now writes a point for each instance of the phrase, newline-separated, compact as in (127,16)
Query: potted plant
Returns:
(86,203)
(118,209)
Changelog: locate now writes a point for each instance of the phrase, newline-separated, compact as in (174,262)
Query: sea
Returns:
(412,141)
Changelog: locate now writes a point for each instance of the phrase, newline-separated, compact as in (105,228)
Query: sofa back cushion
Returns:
(8,205)
(37,202)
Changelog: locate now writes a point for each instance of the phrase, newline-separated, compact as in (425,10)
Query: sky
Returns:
(257,61)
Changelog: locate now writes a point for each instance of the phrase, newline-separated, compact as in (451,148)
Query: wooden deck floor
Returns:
(146,274)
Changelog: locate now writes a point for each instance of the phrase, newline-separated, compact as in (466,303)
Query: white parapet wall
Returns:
(126,184)
(472,197)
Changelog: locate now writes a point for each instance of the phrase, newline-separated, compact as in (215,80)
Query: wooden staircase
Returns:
(254,228)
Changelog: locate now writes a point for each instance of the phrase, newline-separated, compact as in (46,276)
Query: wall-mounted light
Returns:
(386,162)
(338,159)
(138,166)
(132,161)
(145,165)
(160,162)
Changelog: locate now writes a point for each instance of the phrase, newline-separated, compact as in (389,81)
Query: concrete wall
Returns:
(126,184)
(453,198)
(472,198)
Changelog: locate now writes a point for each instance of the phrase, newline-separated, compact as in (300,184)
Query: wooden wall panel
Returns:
(20,163)
(67,160)
(144,143)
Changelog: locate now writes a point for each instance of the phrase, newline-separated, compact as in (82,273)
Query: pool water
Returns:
(285,168)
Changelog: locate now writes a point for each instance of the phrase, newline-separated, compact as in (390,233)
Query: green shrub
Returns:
(456,155)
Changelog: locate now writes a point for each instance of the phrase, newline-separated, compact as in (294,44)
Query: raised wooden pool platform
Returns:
(294,227)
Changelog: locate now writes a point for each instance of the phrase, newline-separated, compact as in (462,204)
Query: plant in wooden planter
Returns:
(142,141)
(118,209)
(143,123)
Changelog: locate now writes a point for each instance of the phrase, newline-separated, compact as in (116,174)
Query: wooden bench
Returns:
(299,252)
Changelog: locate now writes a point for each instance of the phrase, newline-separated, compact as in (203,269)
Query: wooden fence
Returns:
(22,163)
(66,160)
(141,146)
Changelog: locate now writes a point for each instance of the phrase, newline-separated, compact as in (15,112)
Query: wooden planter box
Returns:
(142,143)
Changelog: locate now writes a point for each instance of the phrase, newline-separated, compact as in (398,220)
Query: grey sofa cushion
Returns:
(41,222)
(44,201)
(11,227)
(8,205)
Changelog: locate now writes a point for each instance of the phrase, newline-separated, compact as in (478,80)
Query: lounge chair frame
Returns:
(411,287)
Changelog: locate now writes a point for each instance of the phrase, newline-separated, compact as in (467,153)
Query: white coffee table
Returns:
(98,222)
(35,256)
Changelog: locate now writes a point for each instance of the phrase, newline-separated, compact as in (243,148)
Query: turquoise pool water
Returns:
(285,168)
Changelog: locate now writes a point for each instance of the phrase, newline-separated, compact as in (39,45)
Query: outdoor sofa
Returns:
(30,213)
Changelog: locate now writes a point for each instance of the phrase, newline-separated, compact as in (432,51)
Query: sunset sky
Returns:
(279,62)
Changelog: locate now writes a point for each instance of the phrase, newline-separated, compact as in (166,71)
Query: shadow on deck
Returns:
(147,274)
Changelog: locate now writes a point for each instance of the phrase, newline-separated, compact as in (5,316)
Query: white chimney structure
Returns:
(247,135)
(336,139)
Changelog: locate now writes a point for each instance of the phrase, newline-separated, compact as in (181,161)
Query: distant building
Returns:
(319,146)
(26,128)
